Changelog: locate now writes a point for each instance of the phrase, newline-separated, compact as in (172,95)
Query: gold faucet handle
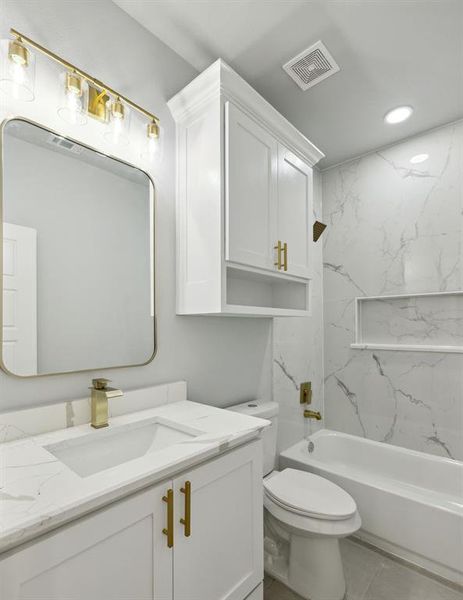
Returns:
(100,383)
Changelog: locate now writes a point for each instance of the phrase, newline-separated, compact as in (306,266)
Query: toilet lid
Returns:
(310,495)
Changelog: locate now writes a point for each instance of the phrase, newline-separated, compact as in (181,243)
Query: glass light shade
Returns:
(152,149)
(17,70)
(74,98)
(117,129)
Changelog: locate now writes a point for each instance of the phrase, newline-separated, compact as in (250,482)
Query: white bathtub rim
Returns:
(391,447)
(424,496)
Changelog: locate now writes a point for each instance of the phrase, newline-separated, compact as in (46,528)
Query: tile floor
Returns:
(373,576)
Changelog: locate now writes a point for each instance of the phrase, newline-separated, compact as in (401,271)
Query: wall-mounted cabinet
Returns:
(244,202)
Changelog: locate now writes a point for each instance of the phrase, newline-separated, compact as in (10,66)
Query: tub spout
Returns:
(312,414)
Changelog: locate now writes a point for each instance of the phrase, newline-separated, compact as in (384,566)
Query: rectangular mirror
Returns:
(77,254)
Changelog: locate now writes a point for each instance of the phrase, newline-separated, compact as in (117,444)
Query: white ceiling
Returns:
(391,52)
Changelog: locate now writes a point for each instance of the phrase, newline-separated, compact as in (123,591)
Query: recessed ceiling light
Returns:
(399,114)
(419,158)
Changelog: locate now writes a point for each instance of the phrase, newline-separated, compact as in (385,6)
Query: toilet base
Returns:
(315,568)
(310,565)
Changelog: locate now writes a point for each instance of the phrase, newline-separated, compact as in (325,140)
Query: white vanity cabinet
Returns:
(244,201)
(122,552)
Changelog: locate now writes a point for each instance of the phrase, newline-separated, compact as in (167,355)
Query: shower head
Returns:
(318,229)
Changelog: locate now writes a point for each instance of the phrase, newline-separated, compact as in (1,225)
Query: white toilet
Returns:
(305,515)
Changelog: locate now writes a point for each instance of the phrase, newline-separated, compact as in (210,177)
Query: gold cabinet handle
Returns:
(186,522)
(169,531)
(278,248)
(285,255)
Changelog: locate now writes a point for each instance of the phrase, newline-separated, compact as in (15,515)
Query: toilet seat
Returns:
(309,495)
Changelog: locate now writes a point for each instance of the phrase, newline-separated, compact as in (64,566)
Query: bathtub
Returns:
(411,503)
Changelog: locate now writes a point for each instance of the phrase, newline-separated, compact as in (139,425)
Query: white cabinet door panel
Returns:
(251,157)
(19,348)
(222,559)
(295,218)
(117,553)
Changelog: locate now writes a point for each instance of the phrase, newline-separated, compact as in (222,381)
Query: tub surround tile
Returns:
(394,228)
(298,354)
(38,492)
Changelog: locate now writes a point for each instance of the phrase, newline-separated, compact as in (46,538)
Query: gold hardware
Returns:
(278,248)
(305,392)
(318,229)
(99,85)
(97,101)
(169,530)
(152,130)
(74,83)
(117,109)
(100,396)
(187,520)
(285,255)
(18,53)
(312,414)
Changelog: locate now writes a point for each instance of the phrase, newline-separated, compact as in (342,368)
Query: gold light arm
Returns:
(96,82)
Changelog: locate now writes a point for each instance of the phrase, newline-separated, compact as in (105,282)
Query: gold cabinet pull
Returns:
(186,522)
(278,248)
(285,256)
(169,531)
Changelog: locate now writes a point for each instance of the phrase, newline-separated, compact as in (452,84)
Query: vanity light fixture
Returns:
(82,94)
(17,69)
(117,131)
(419,158)
(74,98)
(153,143)
(399,114)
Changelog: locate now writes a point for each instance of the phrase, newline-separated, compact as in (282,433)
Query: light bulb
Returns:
(74,98)
(117,130)
(153,145)
(17,70)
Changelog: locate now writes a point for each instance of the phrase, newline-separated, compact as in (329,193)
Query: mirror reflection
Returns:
(77,245)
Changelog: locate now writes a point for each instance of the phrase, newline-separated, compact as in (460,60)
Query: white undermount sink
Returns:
(101,450)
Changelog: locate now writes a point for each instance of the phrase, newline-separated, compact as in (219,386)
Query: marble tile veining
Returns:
(396,229)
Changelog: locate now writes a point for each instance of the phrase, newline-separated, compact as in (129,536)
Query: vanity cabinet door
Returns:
(295,212)
(251,178)
(117,553)
(222,558)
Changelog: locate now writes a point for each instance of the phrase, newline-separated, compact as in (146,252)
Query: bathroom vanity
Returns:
(165,503)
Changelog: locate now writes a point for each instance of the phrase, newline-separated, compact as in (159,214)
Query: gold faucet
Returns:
(312,414)
(100,395)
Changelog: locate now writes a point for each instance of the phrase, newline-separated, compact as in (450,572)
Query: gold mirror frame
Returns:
(3,124)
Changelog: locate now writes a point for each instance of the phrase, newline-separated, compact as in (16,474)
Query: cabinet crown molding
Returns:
(220,80)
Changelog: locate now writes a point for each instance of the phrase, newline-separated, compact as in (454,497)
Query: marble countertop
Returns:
(38,492)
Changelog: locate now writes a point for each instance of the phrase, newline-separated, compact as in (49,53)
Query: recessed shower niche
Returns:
(430,322)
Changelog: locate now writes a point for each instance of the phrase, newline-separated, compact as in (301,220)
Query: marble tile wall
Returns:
(393,228)
(298,353)
(424,320)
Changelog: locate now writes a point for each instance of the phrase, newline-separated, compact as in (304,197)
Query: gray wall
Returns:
(223,359)
(93,258)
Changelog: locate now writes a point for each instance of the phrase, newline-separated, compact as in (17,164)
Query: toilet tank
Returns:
(269,411)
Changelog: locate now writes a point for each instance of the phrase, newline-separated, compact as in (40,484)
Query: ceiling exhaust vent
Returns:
(311,66)
(56,140)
